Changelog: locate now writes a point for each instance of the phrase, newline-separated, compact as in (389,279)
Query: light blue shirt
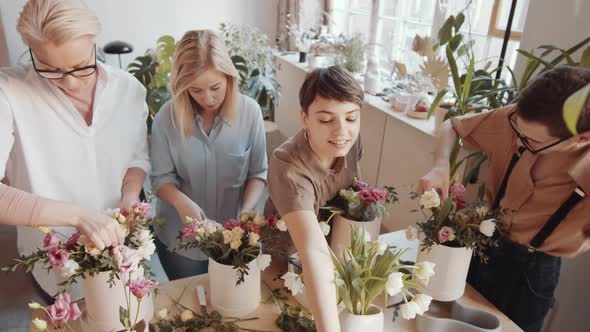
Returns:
(212,170)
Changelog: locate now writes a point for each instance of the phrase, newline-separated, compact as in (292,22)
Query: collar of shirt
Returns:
(580,170)
(308,154)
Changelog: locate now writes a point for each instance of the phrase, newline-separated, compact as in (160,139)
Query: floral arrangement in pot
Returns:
(454,231)
(235,256)
(361,205)
(110,278)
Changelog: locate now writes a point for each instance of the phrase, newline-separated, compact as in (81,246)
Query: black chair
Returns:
(118,47)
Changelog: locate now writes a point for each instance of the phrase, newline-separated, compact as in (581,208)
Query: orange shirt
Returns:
(539,183)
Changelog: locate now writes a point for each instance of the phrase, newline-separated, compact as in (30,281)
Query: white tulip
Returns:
(39,324)
(423,302)
(380,245)
(487,227)
(395,283)
(35,305)
(264,261)
(70,267)
(325,228)
(409,310)
(481,211)
(430,199)
(281,225)
(424,270)
(293,282)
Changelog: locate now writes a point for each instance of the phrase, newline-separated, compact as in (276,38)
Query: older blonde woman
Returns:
(72,132)
(207,149)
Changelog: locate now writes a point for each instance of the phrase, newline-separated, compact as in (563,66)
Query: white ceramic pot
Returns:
(231,299)
(450,271)
(342,230)
(102,302)
(372,322)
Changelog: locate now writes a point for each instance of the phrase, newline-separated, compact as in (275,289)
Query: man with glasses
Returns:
(72,133)
(540,173)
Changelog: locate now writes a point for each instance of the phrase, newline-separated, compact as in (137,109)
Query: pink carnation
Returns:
(143,208)
(252,228)
(62,310)
(380,194)
(51,241)
(446,233)
(127,259)
(57,258)
(371,196)
(460,203)
(457,189)
(73,241)
(272,220)
(231,224)
(140,286)
(366,196)
(189,231)
(360,185)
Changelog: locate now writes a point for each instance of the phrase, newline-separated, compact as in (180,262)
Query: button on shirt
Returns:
(47,148)
(210,169)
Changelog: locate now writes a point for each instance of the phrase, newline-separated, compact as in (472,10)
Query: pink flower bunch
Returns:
(73,241)
(57,257)
(127,259)
(456,191)
(231,224)
(142,209)
(140,286)
(446,234)
(51,241)
(370,196)
(62,310)
(189,231)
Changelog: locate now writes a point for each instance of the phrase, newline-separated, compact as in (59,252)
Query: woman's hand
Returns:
(188,208)
(437,178)
(101,229)
(127,202)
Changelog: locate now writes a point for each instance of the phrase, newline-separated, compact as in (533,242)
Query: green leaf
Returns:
(459,19)
(573,107)
(536,58)
(585,60)
(436,102)
(123,316)
(454,72)
(467,85)
(568,52)
(446,31)
(455,42)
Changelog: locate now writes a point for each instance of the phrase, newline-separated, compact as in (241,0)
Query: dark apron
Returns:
(519,280)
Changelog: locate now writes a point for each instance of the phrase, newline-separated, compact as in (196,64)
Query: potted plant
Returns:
(370,269)
(452,232)
(360,206)
(235,259)
(115,281)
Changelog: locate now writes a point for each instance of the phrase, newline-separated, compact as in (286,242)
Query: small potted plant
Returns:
(453,231)
(361,205)
(235,259)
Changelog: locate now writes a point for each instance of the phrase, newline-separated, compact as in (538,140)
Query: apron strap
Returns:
(502,190)
(556,218)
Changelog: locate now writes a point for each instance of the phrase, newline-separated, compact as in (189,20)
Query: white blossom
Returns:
(430,199)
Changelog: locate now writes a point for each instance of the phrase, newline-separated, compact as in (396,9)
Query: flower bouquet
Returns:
(360,206)
(454,231)
(235,258)
(371,269)
(109,277)
(58,314)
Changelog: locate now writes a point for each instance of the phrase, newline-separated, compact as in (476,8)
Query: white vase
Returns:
(372,83)
(102,302)
(231,299)
(342,230)
(371,322)
(450,271)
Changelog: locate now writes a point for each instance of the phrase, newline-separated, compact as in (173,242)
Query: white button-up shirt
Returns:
(47,148)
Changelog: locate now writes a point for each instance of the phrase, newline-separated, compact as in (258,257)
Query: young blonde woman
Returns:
(310,169)
(208,148)
(72,133)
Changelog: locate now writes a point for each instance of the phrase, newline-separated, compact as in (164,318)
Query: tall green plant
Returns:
(574,106)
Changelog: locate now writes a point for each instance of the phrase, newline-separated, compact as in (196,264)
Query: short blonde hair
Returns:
(197,52)
(56,21)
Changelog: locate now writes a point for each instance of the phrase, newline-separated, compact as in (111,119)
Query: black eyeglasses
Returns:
(525,140)
(58,74)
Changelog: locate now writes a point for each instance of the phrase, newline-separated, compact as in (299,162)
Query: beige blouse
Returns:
(539,183)
(297,181)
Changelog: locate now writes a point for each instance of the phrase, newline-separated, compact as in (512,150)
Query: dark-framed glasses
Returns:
(525,140)
(59,74)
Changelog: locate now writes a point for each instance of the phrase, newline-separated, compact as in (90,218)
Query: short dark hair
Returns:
(542,100)
(332,82)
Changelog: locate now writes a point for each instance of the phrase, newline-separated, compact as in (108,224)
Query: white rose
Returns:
(430,199)
(395,283)
(423,302)
(162,314)
(411,233)
(424,270)
(325,228)
(39,324)
(264,261)
(487,227)
(293,282)
(142,236)
(409,310)
(281,225)
(147,249)
(481,211)
(70,267)
(259,220)
(186,316)
(253,239)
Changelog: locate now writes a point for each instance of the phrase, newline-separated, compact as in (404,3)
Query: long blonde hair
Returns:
(56,21)
(197,51)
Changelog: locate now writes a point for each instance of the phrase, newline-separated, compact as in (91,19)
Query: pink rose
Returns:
(51,241)
(359,185)
(57,258)
(73,241)
(140,286)
(231,224)
(457,189)
(127,259)
(445,234)
(62,310)
(366,197)
(189,231)
(460,202)
(142,209)
(380,194)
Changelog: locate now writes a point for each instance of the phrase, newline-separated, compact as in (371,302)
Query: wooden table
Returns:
(267,313)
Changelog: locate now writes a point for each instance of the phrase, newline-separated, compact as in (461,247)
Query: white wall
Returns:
(141,22)
(561,23)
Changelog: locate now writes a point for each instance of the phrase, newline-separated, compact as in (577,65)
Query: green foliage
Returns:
(574,106)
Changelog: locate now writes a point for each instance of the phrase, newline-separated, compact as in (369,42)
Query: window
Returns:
(400,20)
